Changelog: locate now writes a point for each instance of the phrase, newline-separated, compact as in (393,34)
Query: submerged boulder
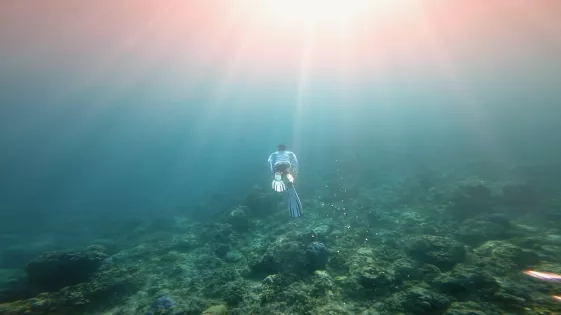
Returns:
(442,252)
(465,308)
(317,255)
(216,310)
(289,255)
(466,282)
(14,286)
(107,287)
(283,256)
(239,219)
(470,199)
(371,275)
(162,305)
(502,256)
(418,300)
(480,229)
(260,203)
(55,270)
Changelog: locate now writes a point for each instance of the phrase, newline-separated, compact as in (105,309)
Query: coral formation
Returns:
(445,244)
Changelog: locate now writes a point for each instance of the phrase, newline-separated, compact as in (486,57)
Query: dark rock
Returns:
(464,282)
(465,308)
(14,286)
(239,219)
(421,301)
(371,276)
(375,278)
(471,199)
(234,293)
(502,256)
(55,270)
(281,289)
(404,270)
(429,272)
(442,252)
(106,288)
(284,256)
(219,233)
(509,301)
(221,250)
(321,233)
(162,305)
(261,203)
(322,283)
(484,228)
(318,256)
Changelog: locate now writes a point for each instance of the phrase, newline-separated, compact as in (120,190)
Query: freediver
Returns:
(284,166)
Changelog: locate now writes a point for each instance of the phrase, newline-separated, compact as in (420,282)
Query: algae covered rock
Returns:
(370,275)
(404,270)
(375,277)
(465,308)
(332,309)
(442,252)
(509,301)
(467,282)
(216,310)
(234,293)
(260,203)
(239,219)
(162,305)
(55,270)
(475,231)
(291,257)
(322,233)
(14,286)
(502,256)
(322,282)
(182,244)
(283,256)
(470,199)
(418,300)
(317,255)
(104,288)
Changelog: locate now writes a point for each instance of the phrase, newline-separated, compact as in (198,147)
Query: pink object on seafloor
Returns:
(543,275)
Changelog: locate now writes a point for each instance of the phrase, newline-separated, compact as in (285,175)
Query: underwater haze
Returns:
(117,117)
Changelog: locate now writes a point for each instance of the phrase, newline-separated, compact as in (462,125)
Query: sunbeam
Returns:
(325,12)
(305,67)
(220,69)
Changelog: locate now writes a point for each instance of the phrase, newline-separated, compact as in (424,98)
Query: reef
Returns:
(432,243)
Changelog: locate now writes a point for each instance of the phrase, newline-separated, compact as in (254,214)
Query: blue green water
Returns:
(163,168)
(153,146)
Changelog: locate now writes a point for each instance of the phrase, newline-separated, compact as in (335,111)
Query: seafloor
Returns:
(454,243)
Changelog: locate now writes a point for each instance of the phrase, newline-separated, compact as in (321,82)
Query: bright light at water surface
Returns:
(329,11)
